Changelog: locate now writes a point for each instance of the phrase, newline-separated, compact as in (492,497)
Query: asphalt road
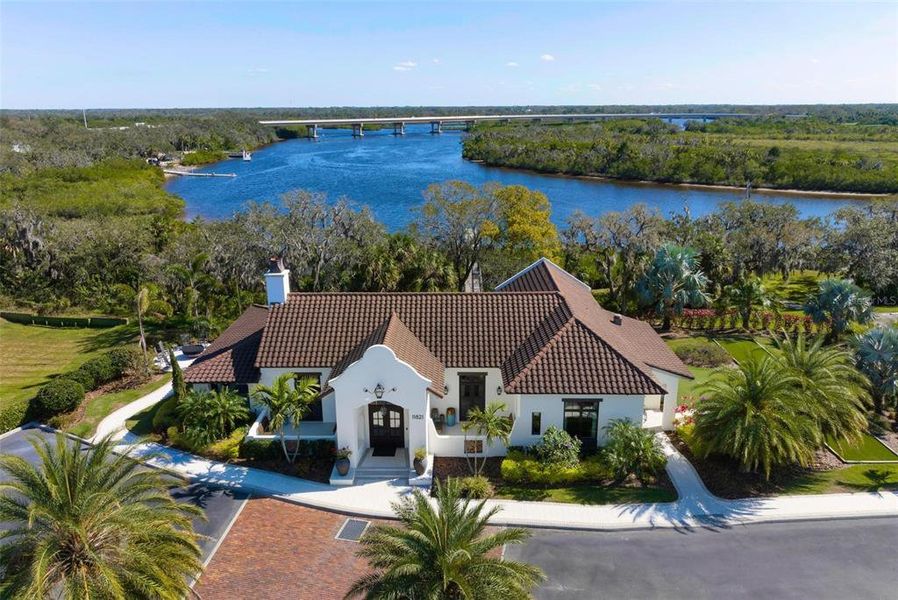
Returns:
(846,559)
(219,505)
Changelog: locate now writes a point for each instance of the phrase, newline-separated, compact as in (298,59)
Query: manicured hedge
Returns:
(102,370)
(13,414)
(124,359)
(27,319)
(59,396)
(83,376)
(519,468)
(260,449)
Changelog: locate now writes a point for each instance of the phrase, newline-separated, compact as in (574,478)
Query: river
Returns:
(388,173)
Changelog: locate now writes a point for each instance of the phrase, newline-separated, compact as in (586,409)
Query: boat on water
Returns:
(245,155)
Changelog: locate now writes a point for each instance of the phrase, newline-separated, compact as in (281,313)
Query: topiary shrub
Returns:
(84,377)
(228,448)
(703,354)
(166,415)
(259,449)
(59,396)
(101,368)
(124,360)
(476,487)
(558,448)
(12,414)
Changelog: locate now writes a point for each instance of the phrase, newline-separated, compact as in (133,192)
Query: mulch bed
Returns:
(445,467)
(313,469)
(723,478)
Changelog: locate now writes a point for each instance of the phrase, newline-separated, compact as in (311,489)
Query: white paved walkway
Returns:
(696,507)
(114,424)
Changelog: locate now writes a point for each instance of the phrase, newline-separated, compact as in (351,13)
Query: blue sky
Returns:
(167,54)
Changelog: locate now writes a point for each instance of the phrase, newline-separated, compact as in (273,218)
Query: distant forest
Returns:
(813,153)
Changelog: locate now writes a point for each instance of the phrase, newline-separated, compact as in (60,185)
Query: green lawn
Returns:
(101,406)
(587,494)
(31,354)
(797,288)
(141,424)
(868,448)
(885,309)
(855,478)
(739,347)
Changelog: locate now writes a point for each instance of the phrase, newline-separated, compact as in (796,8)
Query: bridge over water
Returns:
(437,122)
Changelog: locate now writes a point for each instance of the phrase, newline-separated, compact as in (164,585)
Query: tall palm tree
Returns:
(746,294)
(757,415)
(288,400)
(834,390)
(838,302)
(673,281)
(443,551)
(492,425)
(92,525)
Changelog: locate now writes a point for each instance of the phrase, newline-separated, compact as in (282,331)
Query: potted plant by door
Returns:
(342,463)
(419,464)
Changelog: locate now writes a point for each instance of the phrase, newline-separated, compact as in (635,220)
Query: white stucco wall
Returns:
(552,409)
(379,365)
(493,382)
(671,383)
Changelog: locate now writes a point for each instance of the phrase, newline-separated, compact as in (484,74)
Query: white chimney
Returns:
(277,281)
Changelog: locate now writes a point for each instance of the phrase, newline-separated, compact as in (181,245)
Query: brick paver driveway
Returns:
(280,550)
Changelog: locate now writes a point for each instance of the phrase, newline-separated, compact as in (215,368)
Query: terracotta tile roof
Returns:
(543,329)
(460,329)
(395,335)
(577,361)
(635,340)
(231,357)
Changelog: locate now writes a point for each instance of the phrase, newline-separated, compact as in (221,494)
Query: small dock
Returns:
(194,174)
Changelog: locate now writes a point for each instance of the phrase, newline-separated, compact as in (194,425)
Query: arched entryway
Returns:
(386,428)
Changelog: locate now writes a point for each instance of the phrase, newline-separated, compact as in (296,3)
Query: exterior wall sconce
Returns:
(446,389)
(378,391)
(498,390)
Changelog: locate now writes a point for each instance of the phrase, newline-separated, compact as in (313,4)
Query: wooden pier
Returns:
(193,174)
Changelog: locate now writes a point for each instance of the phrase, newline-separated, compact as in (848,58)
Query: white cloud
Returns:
(435,61)
(593,86)
(815,60)
(259,70)
(511,64)
(547,57)
(406,65)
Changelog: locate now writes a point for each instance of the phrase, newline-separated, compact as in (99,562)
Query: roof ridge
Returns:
(550,343)
(457,294)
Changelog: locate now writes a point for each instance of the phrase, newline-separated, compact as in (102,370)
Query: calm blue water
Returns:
(389,173)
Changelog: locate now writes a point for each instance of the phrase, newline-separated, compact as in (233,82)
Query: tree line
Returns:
(201,274)
(753,153)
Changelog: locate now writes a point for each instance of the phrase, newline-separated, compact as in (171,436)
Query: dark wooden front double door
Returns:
(386,425)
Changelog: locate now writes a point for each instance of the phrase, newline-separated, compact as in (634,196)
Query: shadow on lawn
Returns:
(877,480)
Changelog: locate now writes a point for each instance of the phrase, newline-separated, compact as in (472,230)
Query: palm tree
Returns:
(833,388)
(92,525)
(210,416)
(746,294)
(757,415)
(877,358)
(287,401)
(838,302)
(443,551)
(672,282)
(490,424)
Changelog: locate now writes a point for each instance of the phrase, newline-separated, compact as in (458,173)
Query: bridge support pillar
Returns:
(436,127)
(313,131)
(469,125)
(398,128)
(357,130)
